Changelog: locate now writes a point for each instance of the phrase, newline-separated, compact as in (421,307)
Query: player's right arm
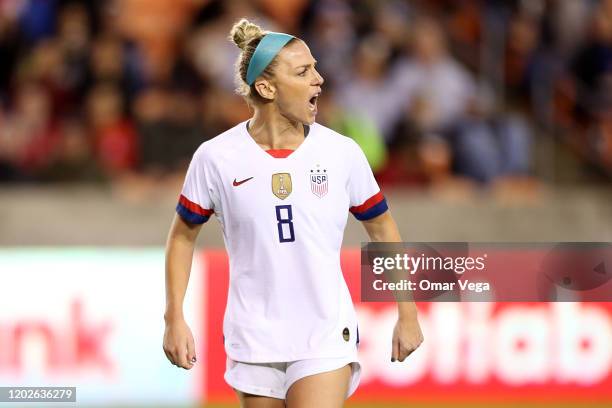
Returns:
(179,344)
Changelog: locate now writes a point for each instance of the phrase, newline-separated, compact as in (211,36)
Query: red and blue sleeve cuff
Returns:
(372,207)
(192,212)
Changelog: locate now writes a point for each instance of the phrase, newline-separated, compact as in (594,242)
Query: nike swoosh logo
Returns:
(237,183)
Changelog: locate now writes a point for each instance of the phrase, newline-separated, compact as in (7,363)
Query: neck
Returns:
(271,130)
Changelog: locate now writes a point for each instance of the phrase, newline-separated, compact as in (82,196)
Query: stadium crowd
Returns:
(97,91)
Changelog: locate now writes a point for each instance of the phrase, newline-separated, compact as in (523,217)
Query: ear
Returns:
(265,89)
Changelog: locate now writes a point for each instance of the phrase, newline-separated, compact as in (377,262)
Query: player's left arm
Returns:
(407,335)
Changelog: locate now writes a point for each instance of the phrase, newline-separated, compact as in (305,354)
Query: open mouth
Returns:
(312,102)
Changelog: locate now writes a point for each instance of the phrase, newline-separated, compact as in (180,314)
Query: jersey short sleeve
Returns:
(366,199)
(195,204)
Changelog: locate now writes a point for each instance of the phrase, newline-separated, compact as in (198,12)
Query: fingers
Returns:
(182,359)
(191,356)
(414,345)
(169,356)
(401,352)
(404,352)
(186,355)
(395,348)
(181,356)
(179,345)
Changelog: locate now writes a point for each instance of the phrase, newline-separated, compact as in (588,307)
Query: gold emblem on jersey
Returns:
(281,185)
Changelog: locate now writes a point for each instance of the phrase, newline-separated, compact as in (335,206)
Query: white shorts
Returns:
(274,379)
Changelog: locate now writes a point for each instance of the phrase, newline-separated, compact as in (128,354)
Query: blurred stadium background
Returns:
(483,121)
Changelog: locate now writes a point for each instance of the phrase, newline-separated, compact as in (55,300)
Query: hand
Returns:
(179,345)
(407,337)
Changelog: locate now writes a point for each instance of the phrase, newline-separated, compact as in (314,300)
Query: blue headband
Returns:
(266,50)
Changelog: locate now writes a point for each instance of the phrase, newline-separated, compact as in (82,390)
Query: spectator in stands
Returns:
(332,38)
(369,90)
(30,134)
(433,78)
(73,160)
(115,140)
(445,107)
(170,129)
(592,65)
(592,72)
(8,167)
(73,38)
(358,128)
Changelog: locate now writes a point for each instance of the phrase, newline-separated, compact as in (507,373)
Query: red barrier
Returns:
(472,351)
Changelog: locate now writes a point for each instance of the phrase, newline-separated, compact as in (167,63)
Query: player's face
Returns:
(297,83)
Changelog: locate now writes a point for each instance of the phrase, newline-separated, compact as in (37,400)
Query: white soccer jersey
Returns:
(283,221)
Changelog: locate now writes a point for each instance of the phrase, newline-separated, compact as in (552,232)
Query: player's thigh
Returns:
(323,390)
(258,401)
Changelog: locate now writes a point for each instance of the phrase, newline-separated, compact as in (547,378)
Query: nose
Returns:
(318,78)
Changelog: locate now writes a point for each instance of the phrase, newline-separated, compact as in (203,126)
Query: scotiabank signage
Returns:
(92,319)
(473,351)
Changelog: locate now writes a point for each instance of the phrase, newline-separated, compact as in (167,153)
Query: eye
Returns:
(303,73)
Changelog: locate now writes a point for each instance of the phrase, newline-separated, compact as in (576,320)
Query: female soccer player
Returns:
(281,186)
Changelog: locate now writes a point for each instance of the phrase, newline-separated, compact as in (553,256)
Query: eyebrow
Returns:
(307,65)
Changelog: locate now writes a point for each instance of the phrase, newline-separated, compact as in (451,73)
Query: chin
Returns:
(306,120)
(310,119)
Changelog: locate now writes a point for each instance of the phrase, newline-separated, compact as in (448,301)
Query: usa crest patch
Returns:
(319,182)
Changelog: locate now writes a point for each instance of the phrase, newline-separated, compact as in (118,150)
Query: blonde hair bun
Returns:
(243,32)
